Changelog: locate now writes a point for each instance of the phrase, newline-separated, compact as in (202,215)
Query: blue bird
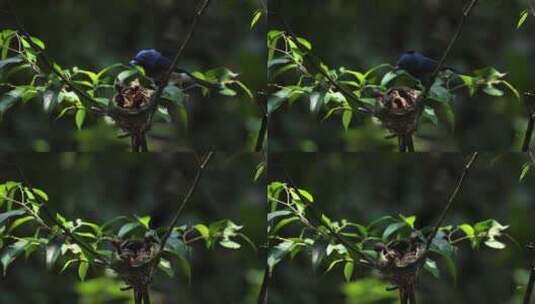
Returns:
(418,65)
(156,65)
(152,61)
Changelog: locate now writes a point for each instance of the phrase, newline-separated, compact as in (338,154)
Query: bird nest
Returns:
(398,110)
(130,107)
(400,261)
(136,261)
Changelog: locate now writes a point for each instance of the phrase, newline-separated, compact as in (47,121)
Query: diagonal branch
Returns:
(51,217)
(531,122)
(174,63)
(192,188)
(453,195)
(460,27)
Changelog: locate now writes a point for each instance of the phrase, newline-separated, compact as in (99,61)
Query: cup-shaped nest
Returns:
(130,107)
(398,110)
(400,261)
(135,261)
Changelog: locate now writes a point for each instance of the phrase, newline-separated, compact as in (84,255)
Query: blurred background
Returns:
(366,186)
(96,34)
(98,187)
(362,34)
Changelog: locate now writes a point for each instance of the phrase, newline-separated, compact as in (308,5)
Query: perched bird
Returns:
(156,65)
(418,65)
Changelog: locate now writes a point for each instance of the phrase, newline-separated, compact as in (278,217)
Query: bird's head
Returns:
(407,60)
(151,60)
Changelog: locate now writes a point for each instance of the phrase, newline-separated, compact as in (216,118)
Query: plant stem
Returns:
(428,85)
(401,142)
(409,142)
(451,199)
(529,289)
(190,192)
(528,135)
(156,97)
(146,296)
(266,282)
(262,133)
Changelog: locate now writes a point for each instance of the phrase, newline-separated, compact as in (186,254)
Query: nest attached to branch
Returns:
(136,261)
(398,110)
(130,107)
(400,261)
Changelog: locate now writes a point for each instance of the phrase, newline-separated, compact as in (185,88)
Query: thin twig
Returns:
(262,133)
(531,122)
(185,200)
(529,134)
(466,13)
(174,63)
(263,296)
(531,282)
(451,199)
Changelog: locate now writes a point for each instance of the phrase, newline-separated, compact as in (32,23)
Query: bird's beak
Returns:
(133,62)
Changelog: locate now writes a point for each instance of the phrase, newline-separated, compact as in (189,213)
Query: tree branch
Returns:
(427,87)
(185,200)
(174,63)
(531,123)
(451,199)
(90,103)
(315,212)
(308,53)
(531,282)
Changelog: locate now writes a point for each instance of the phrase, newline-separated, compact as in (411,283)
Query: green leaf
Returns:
(388,77)
(392,228)
(185,266)
(80,118)
(126,75)
(8,61)
(409,220)
(276,100)
(19,222)
(347,116)
(52,254)
(523,16)
(203,230)
(230,244)
(10,98)
(275,214)
(256,16)
(11,253)
(525,171)
(431,266)
(6,215)
(468,230)
(127,228)
(144,221)
(348,270)
(492,91)
(166,267)
(277,253)
(82,270)
(174,94)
